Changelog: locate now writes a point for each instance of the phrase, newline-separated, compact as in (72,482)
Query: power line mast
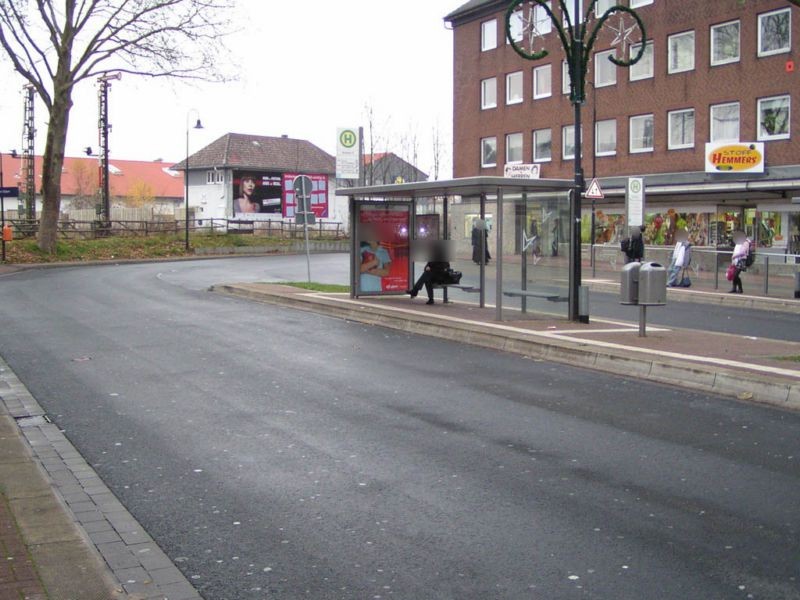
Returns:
(27,195)
(104,207)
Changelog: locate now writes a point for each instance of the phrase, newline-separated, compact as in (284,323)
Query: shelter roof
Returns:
(466,186)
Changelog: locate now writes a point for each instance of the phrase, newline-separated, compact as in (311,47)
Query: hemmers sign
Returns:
(735,158)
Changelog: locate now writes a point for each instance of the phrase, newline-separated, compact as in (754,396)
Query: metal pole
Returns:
(642,320)
(575,207)
(308,252)
(186,199)
(766,274)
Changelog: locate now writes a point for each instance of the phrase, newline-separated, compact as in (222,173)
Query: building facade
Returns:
(250,177)
(716,77)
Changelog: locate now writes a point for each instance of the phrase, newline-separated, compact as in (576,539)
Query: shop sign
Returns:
(522,171)
(735,158)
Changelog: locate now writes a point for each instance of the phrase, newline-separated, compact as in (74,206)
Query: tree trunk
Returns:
(52,164)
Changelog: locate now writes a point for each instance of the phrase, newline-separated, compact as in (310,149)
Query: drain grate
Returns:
(35,421)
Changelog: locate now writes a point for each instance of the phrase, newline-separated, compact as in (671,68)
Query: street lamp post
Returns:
(523,21)
(197,125)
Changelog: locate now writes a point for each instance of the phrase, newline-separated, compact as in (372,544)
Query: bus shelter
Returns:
(526,223)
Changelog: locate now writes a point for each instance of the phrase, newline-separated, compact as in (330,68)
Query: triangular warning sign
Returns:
(594,191)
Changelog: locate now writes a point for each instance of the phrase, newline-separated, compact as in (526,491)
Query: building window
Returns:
(644,68)
(605,138)
(774,32)
(725,122)
(489,152)
(725,43)
(681,129)
(516,25)
(570,7)
(541,19)
(605,71)
(681,52)
(514,88)
(602,6)
(542,145)
(565,78)
(638,3)
(513,148)
(641,134)
(215,176)
(488,35)
(489,93)
(568,142)
(542,82)
(773,118)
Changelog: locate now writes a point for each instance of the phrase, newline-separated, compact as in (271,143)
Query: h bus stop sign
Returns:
(302,193)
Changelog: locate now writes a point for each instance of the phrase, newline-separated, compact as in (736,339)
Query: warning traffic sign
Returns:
(594,191)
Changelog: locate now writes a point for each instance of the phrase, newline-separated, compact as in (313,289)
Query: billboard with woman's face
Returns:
(267,194)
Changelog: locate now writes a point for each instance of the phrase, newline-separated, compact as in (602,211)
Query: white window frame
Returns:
(540,159)
(631,138)
(565,129)
(640,3)
(565,79)
(603,66)
(714,136)
(540,93)
(570,7)
(602,6)
(733,59)
(648,58)
(516,142)
(215,176)
(763,135)
(542,20)
(517,25)
(514,81)
(782,49)
(488,35)
(613,128)
(486,85)
(671,144)
(679,36)
(484,141)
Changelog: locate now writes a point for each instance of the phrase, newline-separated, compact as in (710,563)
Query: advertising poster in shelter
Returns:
(383,250)
(256,195)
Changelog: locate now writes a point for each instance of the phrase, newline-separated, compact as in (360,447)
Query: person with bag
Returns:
(738,261)
(633,247)
(677,265)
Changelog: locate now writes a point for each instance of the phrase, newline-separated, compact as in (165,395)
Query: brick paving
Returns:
(18,577)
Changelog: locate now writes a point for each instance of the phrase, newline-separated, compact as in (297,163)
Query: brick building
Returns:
(723,72)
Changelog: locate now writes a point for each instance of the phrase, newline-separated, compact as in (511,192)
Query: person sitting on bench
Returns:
(433,274)
(435,271)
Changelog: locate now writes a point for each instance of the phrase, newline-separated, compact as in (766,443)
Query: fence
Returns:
(92,229)
(774,273)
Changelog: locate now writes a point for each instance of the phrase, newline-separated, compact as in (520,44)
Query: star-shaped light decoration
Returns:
(624,35)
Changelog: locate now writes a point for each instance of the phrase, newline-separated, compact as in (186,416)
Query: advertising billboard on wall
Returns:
(262,195)
(383,261)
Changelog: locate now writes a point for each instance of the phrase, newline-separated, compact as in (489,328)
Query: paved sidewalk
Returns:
(65,535)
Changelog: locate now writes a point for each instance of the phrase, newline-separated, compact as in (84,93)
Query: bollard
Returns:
(797,284)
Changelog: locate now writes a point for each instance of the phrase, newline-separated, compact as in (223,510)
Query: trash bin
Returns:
(629,283)
(652,284)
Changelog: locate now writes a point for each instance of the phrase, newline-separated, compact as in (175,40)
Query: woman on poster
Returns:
(375,264)
(246,203)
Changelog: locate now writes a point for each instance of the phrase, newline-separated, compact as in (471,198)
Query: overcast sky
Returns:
(306,68)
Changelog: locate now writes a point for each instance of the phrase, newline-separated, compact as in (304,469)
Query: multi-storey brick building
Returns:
(716,72)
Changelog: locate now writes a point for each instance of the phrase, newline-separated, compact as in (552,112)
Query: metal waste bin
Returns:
(629,283)
(652,284)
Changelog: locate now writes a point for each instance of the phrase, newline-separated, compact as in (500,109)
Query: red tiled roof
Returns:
(80,174)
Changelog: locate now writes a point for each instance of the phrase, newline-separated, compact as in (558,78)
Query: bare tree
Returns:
(56,44)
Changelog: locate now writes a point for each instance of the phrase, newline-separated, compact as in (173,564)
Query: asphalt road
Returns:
(281,454)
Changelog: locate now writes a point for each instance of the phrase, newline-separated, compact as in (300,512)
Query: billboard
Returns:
(382,257)
(263,195)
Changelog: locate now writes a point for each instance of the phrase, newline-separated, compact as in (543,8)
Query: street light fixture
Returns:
(197,125)
(522,31)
